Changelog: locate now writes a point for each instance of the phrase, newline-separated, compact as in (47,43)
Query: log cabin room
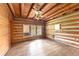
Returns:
(39,29)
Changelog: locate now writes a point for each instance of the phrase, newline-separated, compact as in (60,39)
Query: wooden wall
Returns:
(5,36)
(18,29)
(69,32)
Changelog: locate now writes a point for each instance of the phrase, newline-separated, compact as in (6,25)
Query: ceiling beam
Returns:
(47,7)
(22,6)
(55,9)
(66,9)
(11,8)
(43,6)
(30,10)
(50,9)
(20,9)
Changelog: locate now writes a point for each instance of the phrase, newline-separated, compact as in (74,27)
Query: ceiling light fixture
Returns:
(38,13)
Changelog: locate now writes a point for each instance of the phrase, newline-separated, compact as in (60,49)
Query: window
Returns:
(33,30)
(39,30)
(57,26)
(26,29)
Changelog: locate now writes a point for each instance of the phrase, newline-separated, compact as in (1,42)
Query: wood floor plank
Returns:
(42,47)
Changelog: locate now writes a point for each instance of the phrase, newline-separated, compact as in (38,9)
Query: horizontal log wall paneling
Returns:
(18,29)
(17,34)
(5,33)
(69,28)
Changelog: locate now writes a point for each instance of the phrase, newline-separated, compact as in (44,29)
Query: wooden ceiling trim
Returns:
(11,8)
(54,10)
(30,10)
(64,10)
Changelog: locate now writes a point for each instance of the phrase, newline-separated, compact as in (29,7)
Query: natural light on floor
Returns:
(36,46)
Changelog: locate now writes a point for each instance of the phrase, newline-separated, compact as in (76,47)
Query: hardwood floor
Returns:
(42,47)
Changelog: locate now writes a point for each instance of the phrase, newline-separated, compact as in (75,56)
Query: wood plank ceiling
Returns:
(49,10)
